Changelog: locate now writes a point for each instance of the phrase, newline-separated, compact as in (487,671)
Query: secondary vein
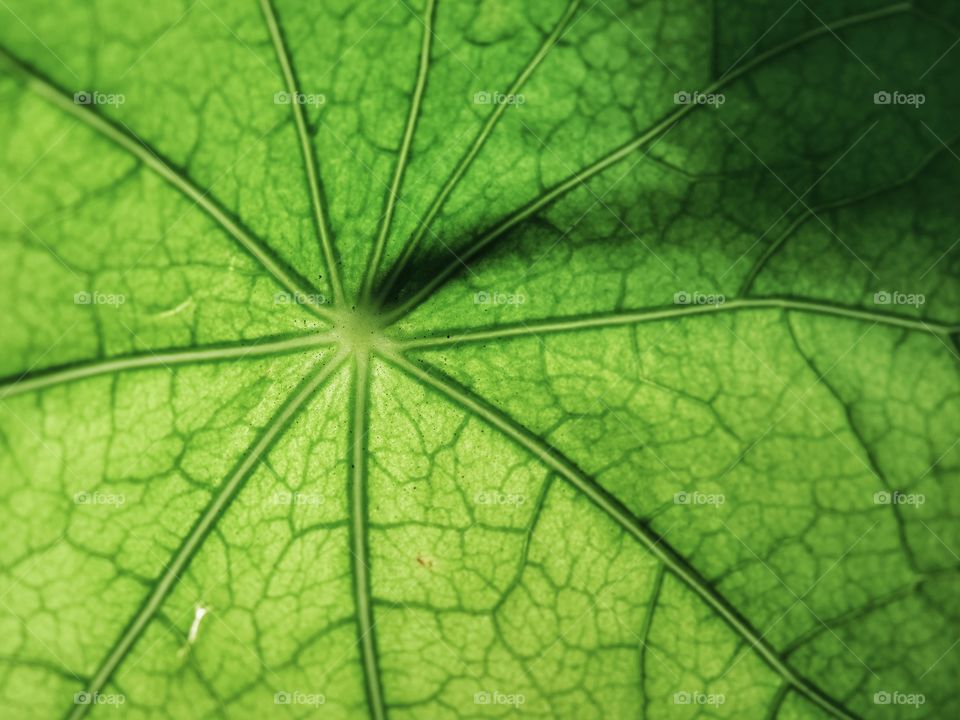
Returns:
(478,143)
(615,156)
(366,638)
(224,495)
(306,149)
(808,213)
(124,138)
(612,507)
(631,317)
(49,377)
(370,275)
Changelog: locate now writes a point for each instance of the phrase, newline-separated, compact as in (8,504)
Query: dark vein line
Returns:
(644,636)
(857,613)
(582,176)
(523,559)
(124,138)
(218,504)
(18,662)
(654,543)
(373,267)
(306,148)
(776,702)
(631,317)
(60,374)
(872,462)
(777,245)
(366,638)
(479,141)
(714,40)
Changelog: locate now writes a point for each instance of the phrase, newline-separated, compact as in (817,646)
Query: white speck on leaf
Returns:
(198,615)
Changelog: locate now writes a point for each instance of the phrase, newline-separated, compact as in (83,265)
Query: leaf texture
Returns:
(440,359)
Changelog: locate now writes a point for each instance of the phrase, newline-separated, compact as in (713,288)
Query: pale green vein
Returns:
(632,317)
(373,267)
(306,149)
(464,164)
(122,137)
(612,507)
(223,496)
(654,131)
(361,557)
(50,377)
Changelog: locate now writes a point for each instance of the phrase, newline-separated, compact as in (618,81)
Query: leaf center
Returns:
(360,330)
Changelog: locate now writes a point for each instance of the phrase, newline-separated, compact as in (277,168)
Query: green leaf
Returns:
(457,359)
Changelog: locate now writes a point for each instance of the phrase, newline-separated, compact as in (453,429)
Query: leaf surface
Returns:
(438,360)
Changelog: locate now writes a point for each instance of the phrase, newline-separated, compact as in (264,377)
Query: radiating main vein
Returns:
(366,637)
(628,521)
(370,274)
(631,317)
(223,496)
(306,149)
(583,175)
(125,139)
(49,377)
(411,247)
